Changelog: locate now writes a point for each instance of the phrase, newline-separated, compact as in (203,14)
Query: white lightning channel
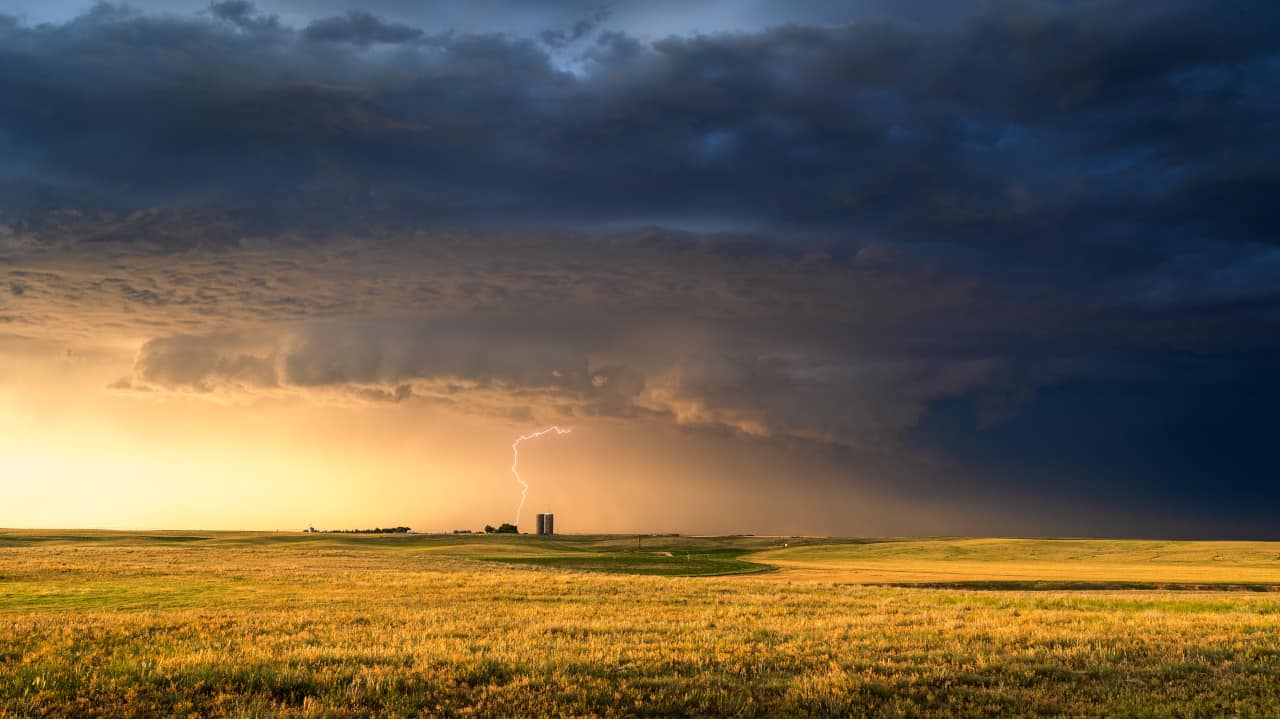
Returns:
(515,462)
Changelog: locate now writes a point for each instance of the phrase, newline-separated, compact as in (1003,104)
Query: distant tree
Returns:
(461,532)
(490,529)
(508,528)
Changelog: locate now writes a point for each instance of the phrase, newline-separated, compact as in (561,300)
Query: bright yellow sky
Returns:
(76,454)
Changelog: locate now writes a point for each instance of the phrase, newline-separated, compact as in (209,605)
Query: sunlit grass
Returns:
(1015,560)
(285,625)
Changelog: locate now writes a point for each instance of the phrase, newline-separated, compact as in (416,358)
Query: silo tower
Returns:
(546,524)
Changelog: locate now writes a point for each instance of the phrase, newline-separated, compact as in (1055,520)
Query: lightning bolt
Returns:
(515,462)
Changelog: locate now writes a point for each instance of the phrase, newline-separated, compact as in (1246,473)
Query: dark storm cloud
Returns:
(581,28)
(1033,245)
(360,28)
(1039,124)
(242,14)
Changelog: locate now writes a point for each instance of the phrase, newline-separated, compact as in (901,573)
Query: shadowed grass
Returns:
(689,564)
(1084,585)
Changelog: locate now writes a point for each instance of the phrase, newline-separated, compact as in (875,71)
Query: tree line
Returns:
(374,531)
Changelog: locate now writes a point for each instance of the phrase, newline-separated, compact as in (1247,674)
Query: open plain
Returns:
(247,624)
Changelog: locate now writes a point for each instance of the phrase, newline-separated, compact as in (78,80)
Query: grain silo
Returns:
(546,524)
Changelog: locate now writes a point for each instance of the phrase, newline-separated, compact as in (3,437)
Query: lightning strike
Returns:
(515,462)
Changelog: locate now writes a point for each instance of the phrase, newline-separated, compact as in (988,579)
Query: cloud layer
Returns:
(1033,125)
(1034,243)
(710,332)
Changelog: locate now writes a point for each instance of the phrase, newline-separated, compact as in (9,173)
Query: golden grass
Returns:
(250,625)
(1003,559)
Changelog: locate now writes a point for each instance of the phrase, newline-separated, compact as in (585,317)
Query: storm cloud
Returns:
(1033,244)
(1044,123)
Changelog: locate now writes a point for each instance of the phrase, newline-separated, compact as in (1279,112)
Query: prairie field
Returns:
(250,624)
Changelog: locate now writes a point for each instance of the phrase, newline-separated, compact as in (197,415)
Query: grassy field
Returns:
(95,623)
(1025,563)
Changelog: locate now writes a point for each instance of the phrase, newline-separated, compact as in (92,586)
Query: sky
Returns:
(849,268)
